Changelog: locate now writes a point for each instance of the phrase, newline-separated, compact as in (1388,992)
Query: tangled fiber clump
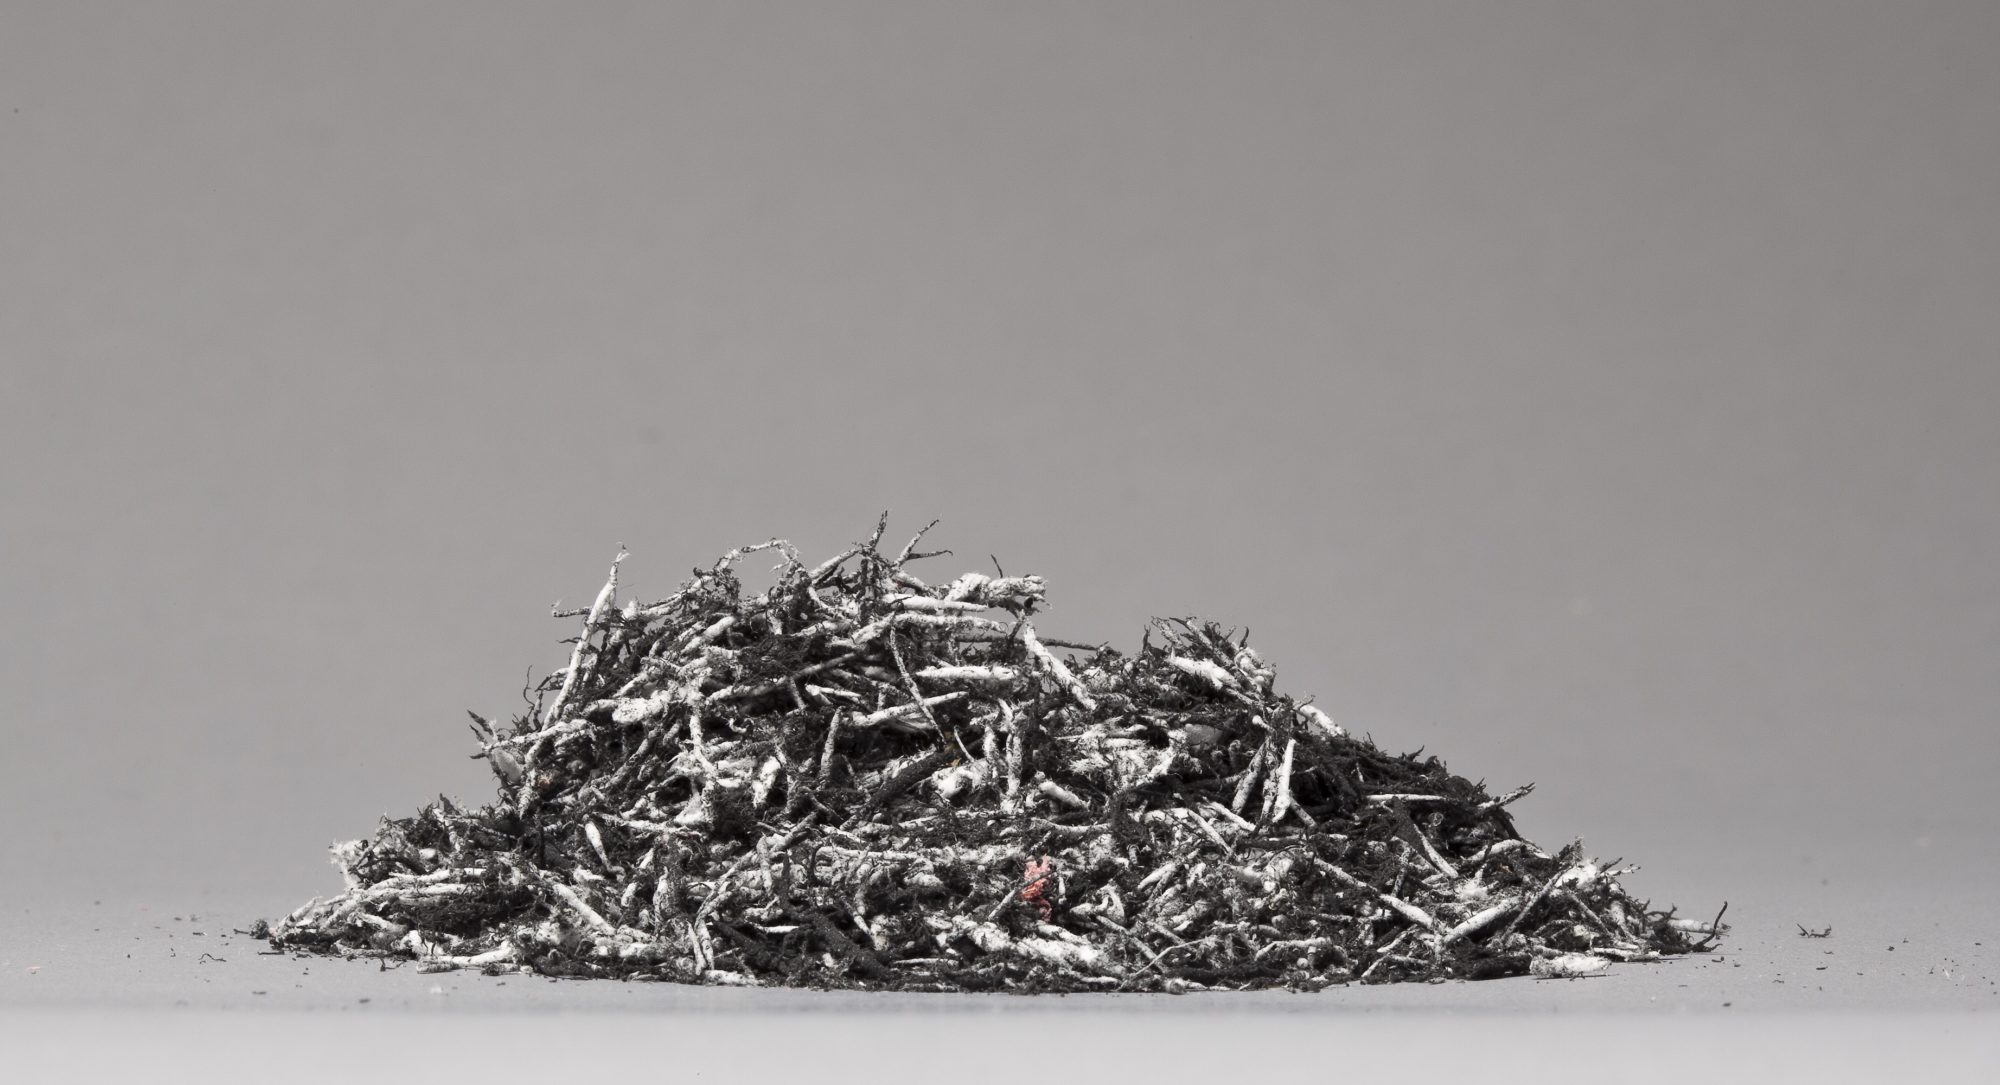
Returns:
(858,779)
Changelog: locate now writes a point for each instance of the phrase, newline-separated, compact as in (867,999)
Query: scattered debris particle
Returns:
(1569,965)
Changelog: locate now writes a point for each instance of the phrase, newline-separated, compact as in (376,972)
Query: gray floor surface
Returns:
(167,988)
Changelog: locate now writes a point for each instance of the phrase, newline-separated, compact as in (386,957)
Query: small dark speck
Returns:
(260,992)
(364,1000)
(1728,1004)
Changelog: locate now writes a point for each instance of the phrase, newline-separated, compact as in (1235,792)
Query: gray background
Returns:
(1597,394)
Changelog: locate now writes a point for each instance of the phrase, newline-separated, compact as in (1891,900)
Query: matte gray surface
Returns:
(1005,1048)
(1887,948)
(1888,991)
(1598,394)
